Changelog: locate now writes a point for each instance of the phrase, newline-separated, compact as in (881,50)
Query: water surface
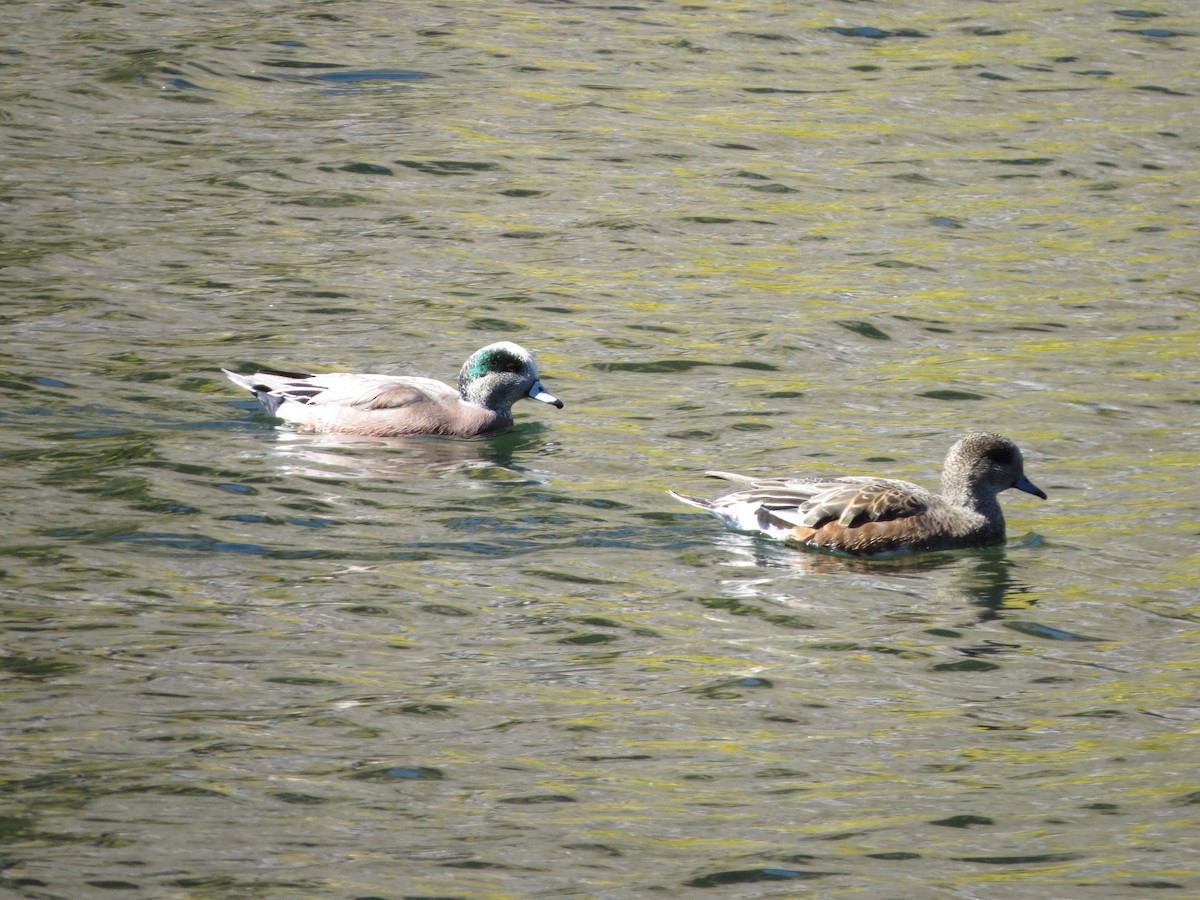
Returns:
(244,662)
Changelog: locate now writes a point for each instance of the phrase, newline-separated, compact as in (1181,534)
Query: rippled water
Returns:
(767,237)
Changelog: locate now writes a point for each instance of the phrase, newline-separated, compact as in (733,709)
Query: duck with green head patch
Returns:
(489,383)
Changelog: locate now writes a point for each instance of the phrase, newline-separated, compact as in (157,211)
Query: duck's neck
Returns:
(981,499)
(496,401)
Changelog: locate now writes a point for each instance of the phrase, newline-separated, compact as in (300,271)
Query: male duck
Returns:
(490,382)
(866,516)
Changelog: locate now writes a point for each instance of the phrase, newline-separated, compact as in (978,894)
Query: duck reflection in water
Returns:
(416,456)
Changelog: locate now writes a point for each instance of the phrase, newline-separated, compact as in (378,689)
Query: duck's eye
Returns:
(505,362)
(1001,456)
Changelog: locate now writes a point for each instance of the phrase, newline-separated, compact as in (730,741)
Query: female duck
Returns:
(867,516)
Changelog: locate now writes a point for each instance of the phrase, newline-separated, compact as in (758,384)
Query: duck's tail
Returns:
(270,401)
(693,501)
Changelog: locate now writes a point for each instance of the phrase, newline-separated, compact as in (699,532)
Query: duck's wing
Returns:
(361,391)
(854,502)
(850,501)
(377,392)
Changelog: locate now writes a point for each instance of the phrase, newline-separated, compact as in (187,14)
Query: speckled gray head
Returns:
(499,375)
(982,465)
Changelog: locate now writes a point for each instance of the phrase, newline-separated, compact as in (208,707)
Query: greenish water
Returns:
(241,662)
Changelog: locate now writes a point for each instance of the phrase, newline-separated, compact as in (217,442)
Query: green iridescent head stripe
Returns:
(501,359)
(496,358)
